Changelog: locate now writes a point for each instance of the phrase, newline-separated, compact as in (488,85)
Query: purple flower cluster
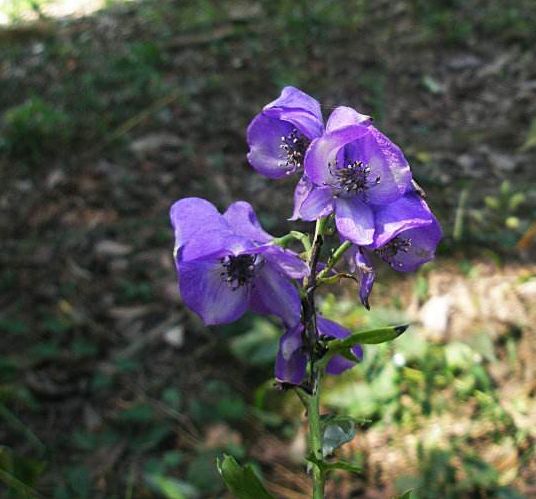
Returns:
(227,263)
(349,169)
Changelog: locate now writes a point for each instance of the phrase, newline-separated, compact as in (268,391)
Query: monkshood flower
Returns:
(406,237)
(291,361)
(351,170)
(226,264)
(279,136)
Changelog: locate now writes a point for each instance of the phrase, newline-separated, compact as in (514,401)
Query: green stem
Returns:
(315,374)
(316,440)
(337,255)
(294,235)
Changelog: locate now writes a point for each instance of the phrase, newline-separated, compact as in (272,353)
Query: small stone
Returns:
(112,249)
(464,61)
(153,142)
(175,336)
(434,314)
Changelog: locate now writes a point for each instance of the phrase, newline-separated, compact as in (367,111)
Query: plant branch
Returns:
(334,258)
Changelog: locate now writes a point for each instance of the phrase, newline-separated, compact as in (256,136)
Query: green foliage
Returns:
(257,346)
(34,129)
(135,291)
(241,480)
(171,488)
(18,11)
(19,474)
(503,218)
(455,21)
(417,380)
(440,469)
(218,401)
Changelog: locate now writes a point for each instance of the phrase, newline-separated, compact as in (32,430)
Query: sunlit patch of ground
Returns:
(27,11)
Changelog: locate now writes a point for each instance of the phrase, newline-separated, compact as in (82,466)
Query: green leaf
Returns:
(139,413)
(337,465)
(171,488)
(19,474)
(375,336)
(337,431)
(241,480)
(408,495)
(370,337)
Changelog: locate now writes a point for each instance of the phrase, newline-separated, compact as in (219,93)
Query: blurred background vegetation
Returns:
(111,110)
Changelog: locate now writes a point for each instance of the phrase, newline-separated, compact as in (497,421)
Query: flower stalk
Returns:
(315,372)
(351,175)
(315,440)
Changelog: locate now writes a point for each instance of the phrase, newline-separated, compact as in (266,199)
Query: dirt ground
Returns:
(107,382)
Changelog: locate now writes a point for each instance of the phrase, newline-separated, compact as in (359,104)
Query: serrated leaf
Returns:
(337,431)
(241,480)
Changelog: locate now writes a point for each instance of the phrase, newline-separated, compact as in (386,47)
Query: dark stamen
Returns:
(293,146)
(238,270)
(393,247)
(353,178)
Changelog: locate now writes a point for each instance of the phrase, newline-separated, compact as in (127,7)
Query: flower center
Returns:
(353,178)
(393,248)
(238,270)
(293,147)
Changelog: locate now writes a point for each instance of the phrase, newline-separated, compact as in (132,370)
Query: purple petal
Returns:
(265,152)
(408,212)
(362,266)
(298,108)
(318,203)
(323,152)
(411,248)
(272,293)
(354,220)
(213,242)
(366,282)
(243,221)
(203,289)
(390,175)
(198,248)
(191,217)
(339,364)
(286,261)
(291,360)
(344,116)
(331,329)
(303,188)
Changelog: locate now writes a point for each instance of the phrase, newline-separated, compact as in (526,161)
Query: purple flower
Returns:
(407,234)
(227,264)
(353,168)
(291,361)
(279,136)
